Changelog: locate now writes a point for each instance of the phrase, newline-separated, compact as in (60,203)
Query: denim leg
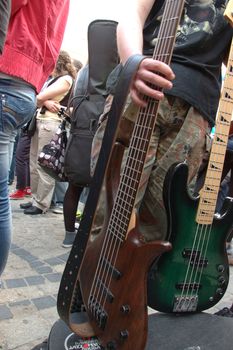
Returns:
(5,212)
(11,176)
(17,105)
(22,161)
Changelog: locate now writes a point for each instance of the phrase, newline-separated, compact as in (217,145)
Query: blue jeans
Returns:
(17,106)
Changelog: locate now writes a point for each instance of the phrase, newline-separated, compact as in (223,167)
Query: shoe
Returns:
(41,346)
(33,211)
(69,239)
(17,194)
(226,312)
(25,205)
(27,192)
(58,209)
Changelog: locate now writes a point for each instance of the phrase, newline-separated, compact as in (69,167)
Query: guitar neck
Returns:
(209,193)
(144,126)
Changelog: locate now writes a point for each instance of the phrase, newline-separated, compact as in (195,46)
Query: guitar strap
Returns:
(69,297)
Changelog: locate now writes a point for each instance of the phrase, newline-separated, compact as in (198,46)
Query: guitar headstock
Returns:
(228,14)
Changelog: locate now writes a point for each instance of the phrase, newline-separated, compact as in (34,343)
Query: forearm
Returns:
(130,28)
(129,42)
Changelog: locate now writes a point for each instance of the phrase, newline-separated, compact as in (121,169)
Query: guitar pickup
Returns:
(188,286)
(98,312)
(106,292)
(200,263)
(116,274)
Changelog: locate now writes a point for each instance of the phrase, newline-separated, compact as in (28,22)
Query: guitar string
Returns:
(220,127)
(192,263)
(141,137)
(110,245)
(206,237)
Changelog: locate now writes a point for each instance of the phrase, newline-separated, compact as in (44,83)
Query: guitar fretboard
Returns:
(209,192)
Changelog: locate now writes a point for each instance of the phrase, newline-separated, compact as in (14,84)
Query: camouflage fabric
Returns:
(180,135)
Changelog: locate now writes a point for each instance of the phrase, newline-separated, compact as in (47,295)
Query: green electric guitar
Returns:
(194,275)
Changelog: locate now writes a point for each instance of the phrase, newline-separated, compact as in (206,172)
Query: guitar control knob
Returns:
(111,345)
(220,268)
(221,280)
(125,309)
(219,291)
(124,334)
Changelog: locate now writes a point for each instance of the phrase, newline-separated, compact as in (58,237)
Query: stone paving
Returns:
(31,279)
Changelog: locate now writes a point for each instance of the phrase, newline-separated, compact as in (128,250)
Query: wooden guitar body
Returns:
(194,275)
(113,279)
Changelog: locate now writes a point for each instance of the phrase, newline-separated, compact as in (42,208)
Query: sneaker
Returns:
(58,209)
(41,346)
(27,192)
(17,194)
(69,239)
(25,205)
(33,211)
(226,312)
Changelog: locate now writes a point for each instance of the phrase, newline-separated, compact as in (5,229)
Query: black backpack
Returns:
(88,99)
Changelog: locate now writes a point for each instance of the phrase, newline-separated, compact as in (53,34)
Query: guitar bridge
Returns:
(185,304)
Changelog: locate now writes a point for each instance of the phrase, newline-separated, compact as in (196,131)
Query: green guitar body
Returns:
(194,275)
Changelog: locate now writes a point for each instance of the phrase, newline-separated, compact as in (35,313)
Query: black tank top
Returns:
(203,40)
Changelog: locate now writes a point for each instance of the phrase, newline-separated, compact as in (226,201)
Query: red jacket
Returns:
(34,39)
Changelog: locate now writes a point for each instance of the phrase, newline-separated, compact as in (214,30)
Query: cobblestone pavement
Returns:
(30,281)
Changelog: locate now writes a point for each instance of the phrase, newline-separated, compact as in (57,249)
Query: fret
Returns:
(144,127)
(139,138)
(169,20)
(136,161)
(127,196)
(128,177)
(116,235)
(130,188)
(218,150)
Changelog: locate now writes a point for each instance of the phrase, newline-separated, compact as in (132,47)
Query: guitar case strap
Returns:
(69,296)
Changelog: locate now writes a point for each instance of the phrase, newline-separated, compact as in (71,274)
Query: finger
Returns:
(156,66)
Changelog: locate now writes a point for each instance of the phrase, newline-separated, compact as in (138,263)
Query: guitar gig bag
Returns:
(89,98)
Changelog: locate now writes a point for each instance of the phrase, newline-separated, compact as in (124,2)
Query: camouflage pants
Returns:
(180,134)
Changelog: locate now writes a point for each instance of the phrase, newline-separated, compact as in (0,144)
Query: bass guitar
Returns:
(113,273)
(195,274)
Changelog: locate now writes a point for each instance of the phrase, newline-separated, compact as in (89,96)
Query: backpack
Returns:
(89,95)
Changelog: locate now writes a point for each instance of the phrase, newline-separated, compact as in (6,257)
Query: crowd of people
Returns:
(36,79)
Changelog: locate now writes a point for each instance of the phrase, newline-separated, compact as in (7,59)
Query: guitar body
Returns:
(194,275)
(117,305)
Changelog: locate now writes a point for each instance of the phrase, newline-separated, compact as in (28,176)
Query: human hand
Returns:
(52,106)
(150,78)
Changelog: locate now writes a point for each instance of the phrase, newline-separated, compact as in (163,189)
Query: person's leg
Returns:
(22,165)
(58,196)
(22,161)
(42,184)
(70,205)
(15,109)
(180,136)
(5,213)
(12,166)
